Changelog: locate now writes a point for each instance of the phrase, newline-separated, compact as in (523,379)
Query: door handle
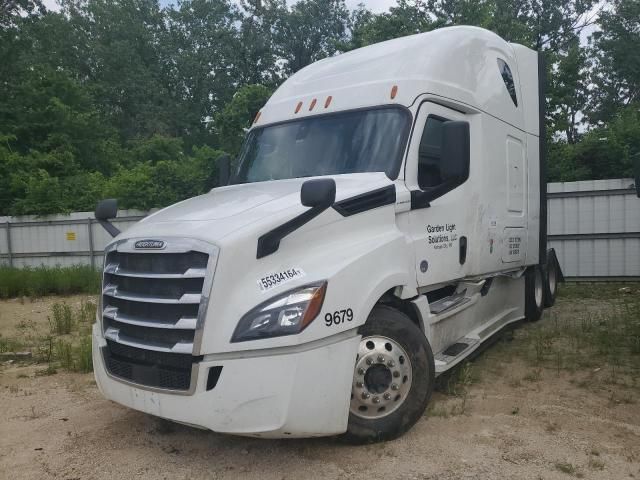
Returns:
(463,249)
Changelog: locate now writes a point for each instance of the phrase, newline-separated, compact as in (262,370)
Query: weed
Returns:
(44,349)
(87,313)
(10,344)
(459,379)
(438,410)
(36,282)
(565,468)
(50,370)
(552,427)
(515,411)
(61,322)
(64,354)
(533,376)
(596,464)
(83,354)
(460,408)
(74,358)
(515,383)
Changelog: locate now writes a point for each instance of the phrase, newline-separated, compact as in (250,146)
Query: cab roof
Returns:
(457,64)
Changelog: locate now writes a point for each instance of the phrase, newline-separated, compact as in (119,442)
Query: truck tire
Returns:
(393,378)
(534,293)
(551,281)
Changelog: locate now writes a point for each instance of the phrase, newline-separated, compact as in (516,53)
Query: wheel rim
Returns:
(381,379)
(552,280)
(538,288)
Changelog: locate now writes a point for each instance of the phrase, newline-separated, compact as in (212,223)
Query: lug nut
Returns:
(376,400)
(381,358)
(359,384)
(391,363)
(369,361)
(394,386)
(387,396)
(365,395)
(396,374)
(361,371)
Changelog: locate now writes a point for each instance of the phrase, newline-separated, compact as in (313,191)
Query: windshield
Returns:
(348,142)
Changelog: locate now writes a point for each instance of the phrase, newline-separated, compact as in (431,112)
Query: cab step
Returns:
(454,353)
(450,302)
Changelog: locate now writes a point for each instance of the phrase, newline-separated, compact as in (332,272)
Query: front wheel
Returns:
(393,378)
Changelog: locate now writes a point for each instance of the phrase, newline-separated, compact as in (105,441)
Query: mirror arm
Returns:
(110,228)
(420,199)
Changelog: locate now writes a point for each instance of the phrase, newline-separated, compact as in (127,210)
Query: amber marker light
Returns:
(313,104)
(327,102)
(298,107)
(394,91)
(255,120)
(314,307)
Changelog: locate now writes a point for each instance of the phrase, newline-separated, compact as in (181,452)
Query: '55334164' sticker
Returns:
(275,279)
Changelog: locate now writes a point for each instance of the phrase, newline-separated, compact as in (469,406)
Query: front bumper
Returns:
(292,393)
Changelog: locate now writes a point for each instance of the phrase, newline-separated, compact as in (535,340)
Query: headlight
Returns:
(286,314)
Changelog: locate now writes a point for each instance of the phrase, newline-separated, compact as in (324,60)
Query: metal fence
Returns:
(77,238)
(593,225)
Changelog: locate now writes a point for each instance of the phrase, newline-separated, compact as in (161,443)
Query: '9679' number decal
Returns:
(338,317)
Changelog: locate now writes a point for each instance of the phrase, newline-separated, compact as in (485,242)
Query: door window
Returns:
(430,154)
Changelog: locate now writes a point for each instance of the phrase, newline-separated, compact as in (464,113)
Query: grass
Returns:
(596,339)
(600,334)
(454,383)
(40,281)
(67,346)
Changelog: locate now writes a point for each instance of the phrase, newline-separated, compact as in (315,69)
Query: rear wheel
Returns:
(392,380)
(551,281)
(534,286)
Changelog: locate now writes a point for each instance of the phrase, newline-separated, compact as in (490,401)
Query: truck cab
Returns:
(384,218)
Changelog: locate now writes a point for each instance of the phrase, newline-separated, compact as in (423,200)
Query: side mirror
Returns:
(455,152)
(636,172)
(319,192)
(224,170)
(105,210)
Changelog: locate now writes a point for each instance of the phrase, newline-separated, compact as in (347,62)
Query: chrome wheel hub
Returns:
(381,379)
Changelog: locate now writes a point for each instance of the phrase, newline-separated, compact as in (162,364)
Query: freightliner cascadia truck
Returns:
(385,217)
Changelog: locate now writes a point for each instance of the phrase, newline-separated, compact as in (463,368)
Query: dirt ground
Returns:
(514,421)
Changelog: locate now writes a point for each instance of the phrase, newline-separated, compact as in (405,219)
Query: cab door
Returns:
(436,174)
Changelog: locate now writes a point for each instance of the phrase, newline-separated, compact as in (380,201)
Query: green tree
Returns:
(237,116)
(200,47)
(616,70)
(308,31)
(568,90)
(11,9)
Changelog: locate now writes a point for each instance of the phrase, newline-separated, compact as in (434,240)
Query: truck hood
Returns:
(224,210)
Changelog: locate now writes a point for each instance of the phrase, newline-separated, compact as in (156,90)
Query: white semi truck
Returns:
(386,217)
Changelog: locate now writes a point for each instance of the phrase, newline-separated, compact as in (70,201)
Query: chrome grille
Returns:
(153,305)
